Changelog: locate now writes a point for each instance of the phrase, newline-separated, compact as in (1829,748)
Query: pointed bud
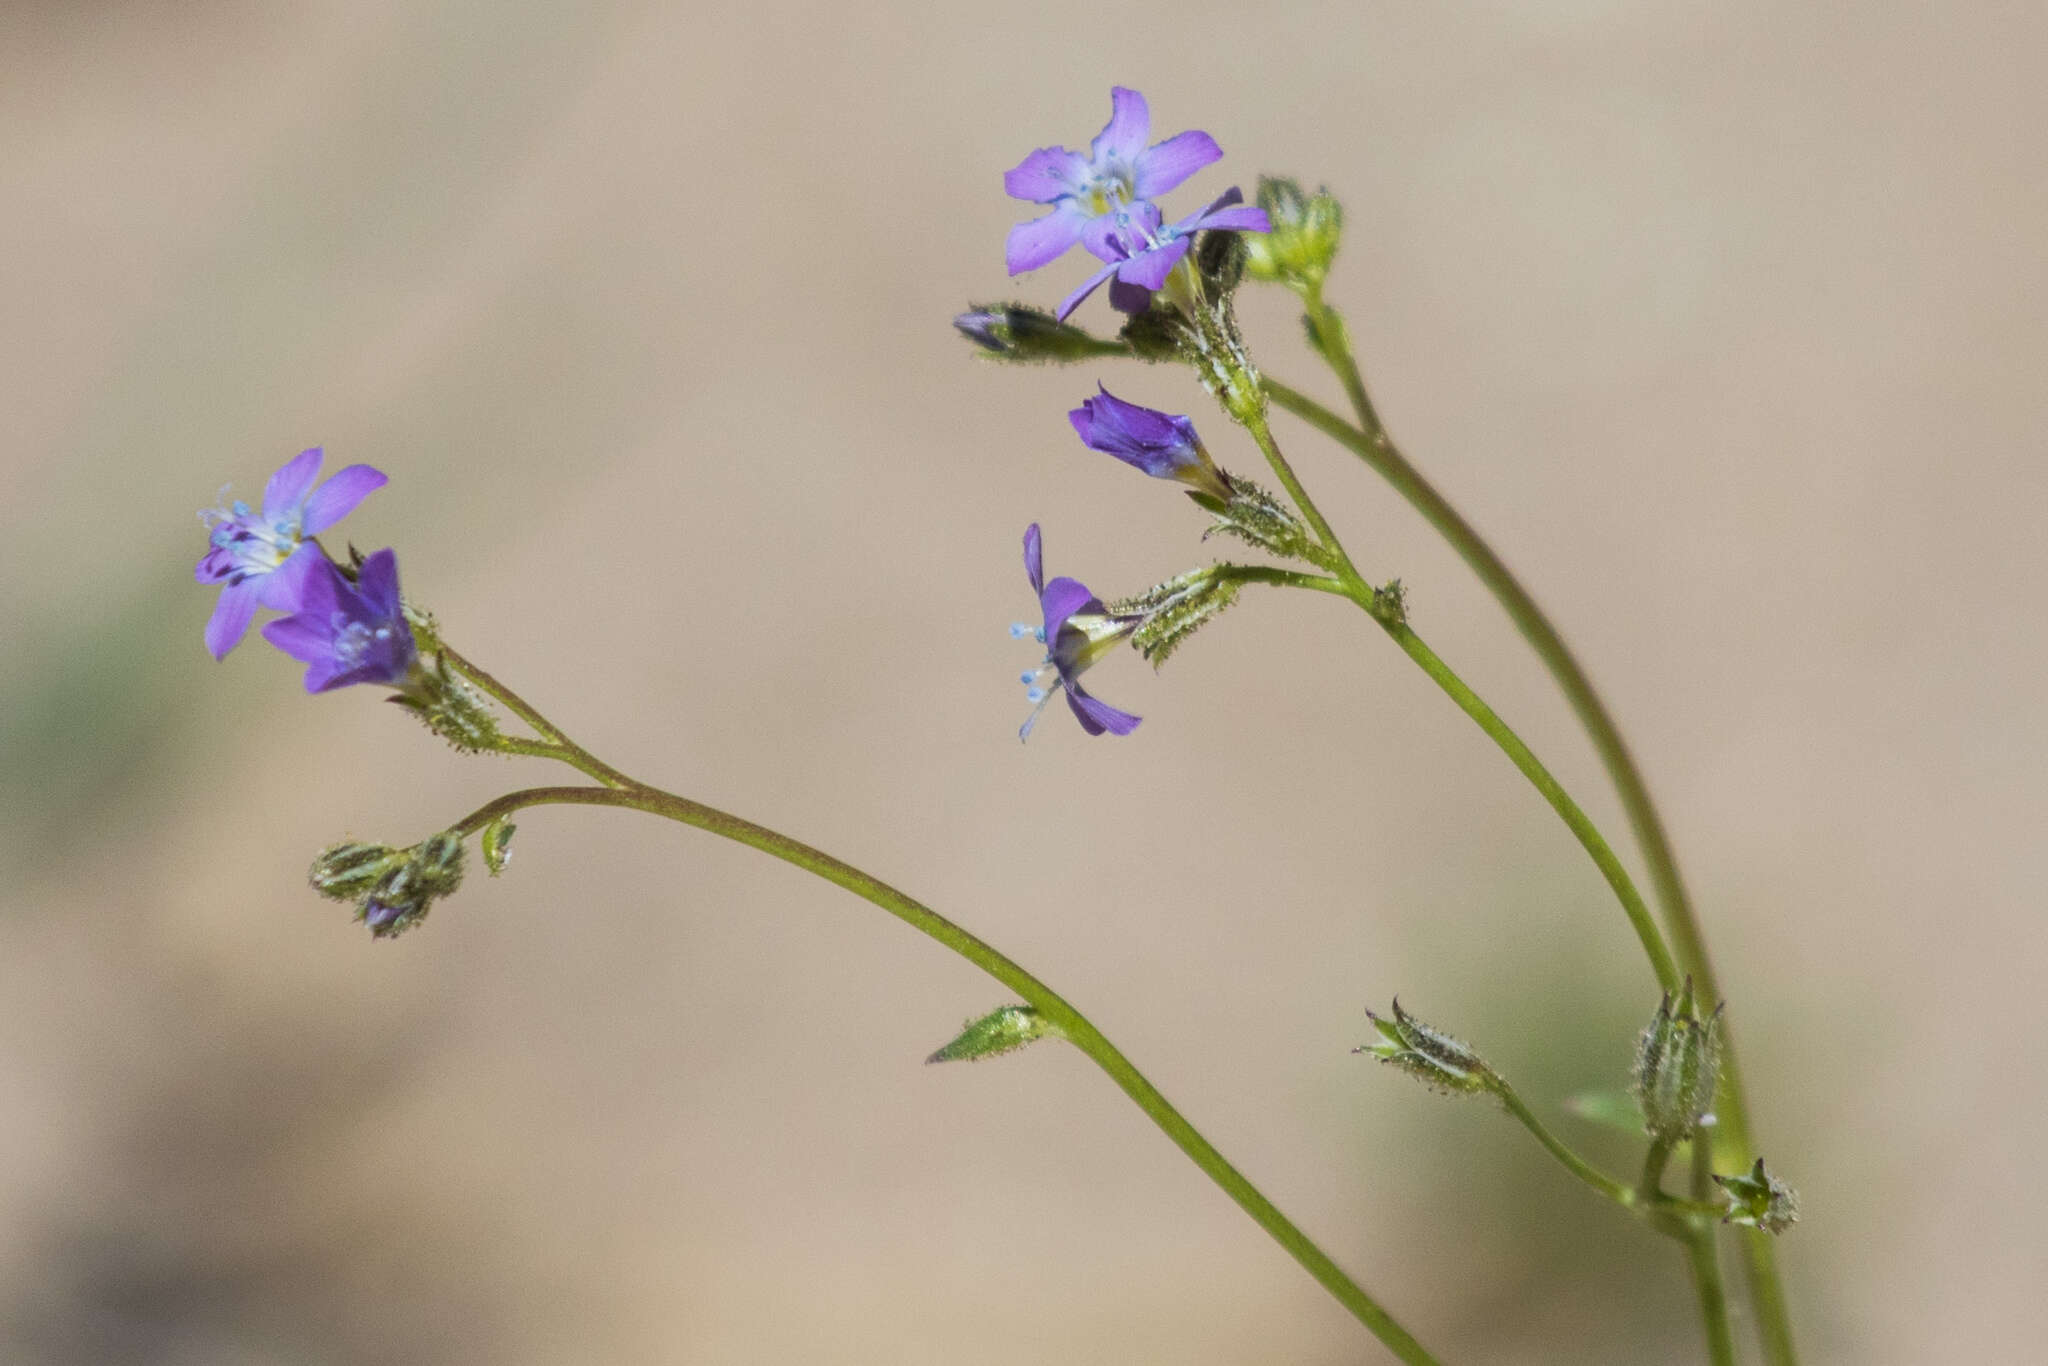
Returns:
(497,844)
(1303,241)
(1430,1055)
(1016,332)
(1002,1031)
(1678,1066)
(1760,1200)
(347,872)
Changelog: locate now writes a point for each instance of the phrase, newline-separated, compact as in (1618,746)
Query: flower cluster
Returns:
(1104,201)
(345,626)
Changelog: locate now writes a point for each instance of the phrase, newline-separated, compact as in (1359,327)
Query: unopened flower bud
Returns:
(1760,1200)
(1430,1055)
(1678,1066)
(1304,237)
(1002,1031)
(1016,332)
(432,869)
(347,872)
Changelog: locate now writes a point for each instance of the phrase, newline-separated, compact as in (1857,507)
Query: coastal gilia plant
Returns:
(1171,288)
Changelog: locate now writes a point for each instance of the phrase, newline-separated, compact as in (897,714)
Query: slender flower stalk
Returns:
(618,790)
(1372,444)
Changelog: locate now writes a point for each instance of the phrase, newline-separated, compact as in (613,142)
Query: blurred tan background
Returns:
(1726,322)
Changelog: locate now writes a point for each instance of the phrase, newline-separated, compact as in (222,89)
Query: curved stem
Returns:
(558,746)
(1540,778)
(1371,443)
(1077,1028)
(1618,1191)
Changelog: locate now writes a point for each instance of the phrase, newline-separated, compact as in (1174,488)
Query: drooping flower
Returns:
(1077,632)
(1142,251)
(1161,444)
(345,632)
(248,548)
(1120,171)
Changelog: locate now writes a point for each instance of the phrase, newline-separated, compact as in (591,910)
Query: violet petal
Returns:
(1159,169)
(231,617)
(1034,559)
(1130,123)
(1097,716)
(287,488)
(1041,240)
(1048,174)
(338,497)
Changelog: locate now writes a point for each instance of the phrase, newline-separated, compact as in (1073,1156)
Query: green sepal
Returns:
(1428,1054)
(1001,1031)
(1256,517)
(1176,609)
(347,872)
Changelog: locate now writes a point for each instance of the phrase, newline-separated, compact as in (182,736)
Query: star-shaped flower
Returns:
(1119,172)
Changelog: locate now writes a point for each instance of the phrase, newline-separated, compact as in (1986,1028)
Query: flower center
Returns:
(254,545)
(1109,187)
(354,640)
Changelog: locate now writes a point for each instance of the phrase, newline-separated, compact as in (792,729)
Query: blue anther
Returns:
(1027,675)
(1035,695)
(1019,630)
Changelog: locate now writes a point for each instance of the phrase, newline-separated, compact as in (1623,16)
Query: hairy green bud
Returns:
(1303,241)
(1020,333)
(400,899)
(1760,1200)
(1001,1031)
(348,872)
(1678,1067)
(1429,1055)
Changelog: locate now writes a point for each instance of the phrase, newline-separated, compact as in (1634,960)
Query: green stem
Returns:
(1703,1253)
(1532,768)
(558,744)
(1284,472)
(1077,1028)
(1654,1162)
(1617,1191)
(1371,443)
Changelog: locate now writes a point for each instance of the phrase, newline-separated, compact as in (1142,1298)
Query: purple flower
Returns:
(1142,251)
(345,632)
(1161,444)
(249,548)
(1120,171)
(1078,631)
